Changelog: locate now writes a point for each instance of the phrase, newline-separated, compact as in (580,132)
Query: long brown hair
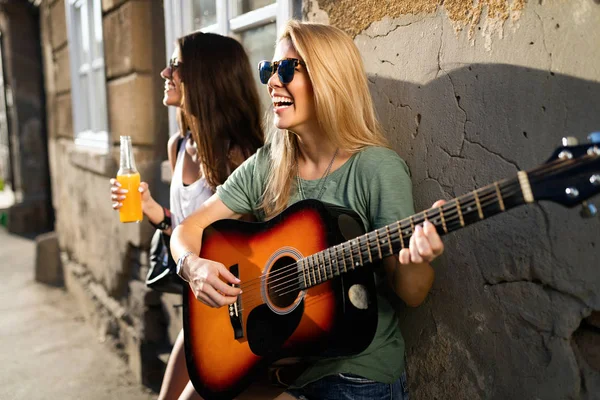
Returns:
(219,101)
(343,104)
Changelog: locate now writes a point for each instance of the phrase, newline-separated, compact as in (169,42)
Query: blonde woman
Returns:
(327,145)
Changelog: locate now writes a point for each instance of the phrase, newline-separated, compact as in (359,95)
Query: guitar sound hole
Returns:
(283,283)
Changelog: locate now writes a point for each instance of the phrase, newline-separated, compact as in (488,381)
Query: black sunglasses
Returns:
(173,65)
(285,69)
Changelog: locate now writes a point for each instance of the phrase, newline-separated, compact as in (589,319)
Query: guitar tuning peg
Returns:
(594,137)
(588,210)
(570,141)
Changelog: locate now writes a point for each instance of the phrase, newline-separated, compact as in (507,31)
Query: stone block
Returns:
(51,117)
(29,217)
(126,43)
(110,4)
(62,70)
(48,265)
(131,102)
(46,42)
(63,113)
(58,24)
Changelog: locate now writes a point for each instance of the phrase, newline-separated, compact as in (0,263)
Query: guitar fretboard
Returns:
(383,242)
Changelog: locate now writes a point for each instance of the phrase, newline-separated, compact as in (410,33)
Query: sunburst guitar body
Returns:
(287,308)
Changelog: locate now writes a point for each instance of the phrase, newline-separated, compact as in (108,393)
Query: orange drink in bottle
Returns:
(129,178)
(132,205)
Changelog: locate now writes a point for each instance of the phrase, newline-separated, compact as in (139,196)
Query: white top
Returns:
(185,200)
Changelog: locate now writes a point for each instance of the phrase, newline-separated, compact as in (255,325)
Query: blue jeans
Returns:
(352,387)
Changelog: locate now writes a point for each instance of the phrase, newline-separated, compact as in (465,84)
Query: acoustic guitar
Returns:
(307,278)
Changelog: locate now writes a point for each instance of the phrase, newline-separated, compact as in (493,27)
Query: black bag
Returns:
(162,275)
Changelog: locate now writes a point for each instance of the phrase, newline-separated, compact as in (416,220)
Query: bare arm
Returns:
(411,275)
(411,282)
(208,279)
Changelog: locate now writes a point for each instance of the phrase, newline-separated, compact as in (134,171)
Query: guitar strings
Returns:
(449,216)
(534,176)
(289,273)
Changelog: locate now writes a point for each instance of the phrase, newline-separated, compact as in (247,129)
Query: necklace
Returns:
(321,182)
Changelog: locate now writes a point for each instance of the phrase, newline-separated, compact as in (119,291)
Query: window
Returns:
(254,23)
(88,81)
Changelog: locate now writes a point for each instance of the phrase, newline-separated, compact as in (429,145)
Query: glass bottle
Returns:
(129,178)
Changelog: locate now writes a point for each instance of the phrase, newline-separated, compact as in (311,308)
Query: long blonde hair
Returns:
(343,105)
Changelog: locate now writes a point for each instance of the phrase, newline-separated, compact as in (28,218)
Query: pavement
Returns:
(47,350)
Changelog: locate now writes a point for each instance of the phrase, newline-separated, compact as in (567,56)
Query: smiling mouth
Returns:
(282,102)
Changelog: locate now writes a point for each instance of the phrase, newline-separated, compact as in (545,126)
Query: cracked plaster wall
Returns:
(469,93)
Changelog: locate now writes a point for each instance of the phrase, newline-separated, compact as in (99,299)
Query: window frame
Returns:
(90,126)
(179,21)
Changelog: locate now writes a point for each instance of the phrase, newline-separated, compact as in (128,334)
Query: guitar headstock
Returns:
(571,175)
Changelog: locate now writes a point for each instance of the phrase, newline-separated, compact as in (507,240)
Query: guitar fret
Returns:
(459,211)
(332,261)
(499,195)
(322,262)
(389,240)
(307,269)
(400,234)
(313,271)
(369,248)
(344,258)
(351,255)
(378,246)
(359,252)
(300,263)
(479,210)
(443,220)
(412,224)
(330,264)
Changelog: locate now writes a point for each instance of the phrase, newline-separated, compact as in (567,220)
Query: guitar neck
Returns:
(383,242)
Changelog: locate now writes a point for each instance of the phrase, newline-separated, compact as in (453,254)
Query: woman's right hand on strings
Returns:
(210,281)
(117,194)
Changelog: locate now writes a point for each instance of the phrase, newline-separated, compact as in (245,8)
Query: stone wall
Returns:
(470,93)
(104,260)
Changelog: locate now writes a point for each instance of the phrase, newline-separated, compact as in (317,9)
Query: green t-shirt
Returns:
(375,183)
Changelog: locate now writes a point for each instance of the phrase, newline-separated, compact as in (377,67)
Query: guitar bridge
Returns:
(235,309)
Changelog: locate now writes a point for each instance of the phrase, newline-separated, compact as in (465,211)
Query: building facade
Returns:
(24,173)
(468,93)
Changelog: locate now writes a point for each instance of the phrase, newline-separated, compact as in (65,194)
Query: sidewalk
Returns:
(47,350)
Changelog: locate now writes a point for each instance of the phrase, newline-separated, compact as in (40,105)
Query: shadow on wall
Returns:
(511,291)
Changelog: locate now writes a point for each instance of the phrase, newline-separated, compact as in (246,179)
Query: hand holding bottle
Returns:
(118,194)
(128,179)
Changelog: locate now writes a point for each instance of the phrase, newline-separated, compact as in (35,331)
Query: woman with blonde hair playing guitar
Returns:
(327,146)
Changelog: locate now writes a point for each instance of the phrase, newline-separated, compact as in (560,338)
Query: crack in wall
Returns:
(394,29)
(544,39)
(439,57)
(457,99)
(386,62)
(503,158)
(548,229)
(544,285)
(459,156)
